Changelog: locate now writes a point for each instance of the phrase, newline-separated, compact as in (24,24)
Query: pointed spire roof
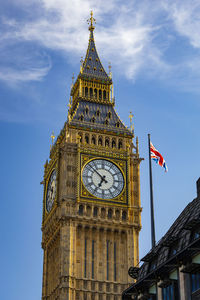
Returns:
(92,66)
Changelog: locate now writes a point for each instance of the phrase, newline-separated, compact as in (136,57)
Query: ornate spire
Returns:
(92,66)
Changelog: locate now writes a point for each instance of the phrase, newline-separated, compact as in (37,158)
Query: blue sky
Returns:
(154,50)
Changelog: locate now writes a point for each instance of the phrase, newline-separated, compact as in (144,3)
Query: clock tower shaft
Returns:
(91,214)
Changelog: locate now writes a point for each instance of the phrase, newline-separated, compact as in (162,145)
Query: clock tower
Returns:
(91,204)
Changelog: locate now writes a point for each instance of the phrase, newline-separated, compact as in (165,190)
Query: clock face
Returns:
(103,179)
(51,191)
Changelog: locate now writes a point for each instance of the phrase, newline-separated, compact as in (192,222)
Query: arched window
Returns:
(100,143)
(103,212)
(113,144)
(110,213)
(88,209)
(81,117)
(109,114)
(104,95)
(117,214)
(80,211)
(98,113)
(120,144)
(95,212)
(86,91)
(93,140)
(106,122)
(87,139)
(117,124)
(86,110)
(95,93)
(100,94)
(91,92)
(124,216)
(107,143)
(93,120)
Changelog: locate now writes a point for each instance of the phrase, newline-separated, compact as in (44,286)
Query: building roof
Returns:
(92,66)
(101,116)
(183,233)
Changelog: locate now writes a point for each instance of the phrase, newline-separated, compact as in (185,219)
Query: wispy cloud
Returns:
(135,36)
(185,19)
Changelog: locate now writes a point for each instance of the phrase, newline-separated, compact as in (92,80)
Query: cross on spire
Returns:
(91,21)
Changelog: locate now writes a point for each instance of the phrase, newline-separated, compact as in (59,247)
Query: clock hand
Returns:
(96,171)
(102,180)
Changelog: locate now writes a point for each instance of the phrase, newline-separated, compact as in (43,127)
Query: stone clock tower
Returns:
(91,206)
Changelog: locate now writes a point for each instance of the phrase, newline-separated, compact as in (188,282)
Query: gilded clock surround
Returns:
(81,230)
(85,195)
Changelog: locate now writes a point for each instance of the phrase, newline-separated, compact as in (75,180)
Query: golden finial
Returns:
(81,66)
(131,122)
(110,68)
(72,80)
(52,139)
(91,21)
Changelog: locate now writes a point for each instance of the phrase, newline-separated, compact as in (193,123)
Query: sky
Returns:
(154,50)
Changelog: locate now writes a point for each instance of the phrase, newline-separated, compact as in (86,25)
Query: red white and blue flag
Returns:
(155,155)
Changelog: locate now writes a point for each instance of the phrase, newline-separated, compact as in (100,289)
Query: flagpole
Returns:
(153,239)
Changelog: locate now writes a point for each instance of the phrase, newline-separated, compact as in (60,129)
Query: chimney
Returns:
(198,187)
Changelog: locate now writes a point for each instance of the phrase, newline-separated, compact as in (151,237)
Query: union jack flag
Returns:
(155,155)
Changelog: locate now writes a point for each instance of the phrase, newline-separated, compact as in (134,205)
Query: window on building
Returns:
(195,282)
(100,143)
(107,142)
(124,216)
(113,144)
(87,139)
(95,93)
(120,145)
(100,94)
(109,114)
(104,95)
(110,213)
(170,292)
(95,212)
(93,140)
(80,211)
(98,113)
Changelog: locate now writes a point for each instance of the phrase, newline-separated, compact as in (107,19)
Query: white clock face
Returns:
(103,179)
(51,191)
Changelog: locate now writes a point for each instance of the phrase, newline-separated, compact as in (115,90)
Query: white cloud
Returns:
(13,76)
(134,35)
(185,16)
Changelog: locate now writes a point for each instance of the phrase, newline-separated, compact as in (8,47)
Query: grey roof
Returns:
(92,66)
(86,115)
(183,232)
